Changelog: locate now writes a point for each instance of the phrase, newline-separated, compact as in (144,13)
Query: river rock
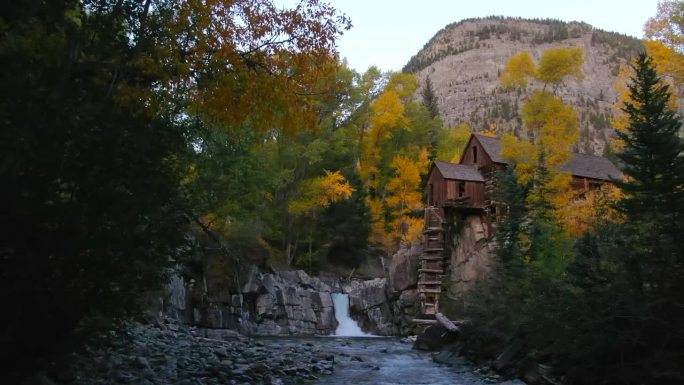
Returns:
(435,337)
(150,355)
(449,357)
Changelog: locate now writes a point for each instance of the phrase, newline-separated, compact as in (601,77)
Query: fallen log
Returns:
(444,321)
(421,321)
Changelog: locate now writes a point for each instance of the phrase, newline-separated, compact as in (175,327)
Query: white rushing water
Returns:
(346,327)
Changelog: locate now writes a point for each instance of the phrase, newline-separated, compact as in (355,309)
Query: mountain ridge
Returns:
(465,59)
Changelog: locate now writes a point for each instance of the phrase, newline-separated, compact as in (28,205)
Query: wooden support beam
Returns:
(431,230)
(433,249)
(431,257)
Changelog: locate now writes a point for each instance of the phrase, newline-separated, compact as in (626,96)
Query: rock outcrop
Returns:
(369,306)
(403,269)
(471,253)
(402,273)
(273,303)
(287,303)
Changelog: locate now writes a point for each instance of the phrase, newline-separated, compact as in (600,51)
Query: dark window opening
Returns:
(461,189)
(474,154)
(431,198)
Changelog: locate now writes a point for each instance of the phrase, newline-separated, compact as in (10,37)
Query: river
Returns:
(384,361)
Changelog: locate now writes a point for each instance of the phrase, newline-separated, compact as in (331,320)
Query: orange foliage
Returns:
(244,61)
(583,212)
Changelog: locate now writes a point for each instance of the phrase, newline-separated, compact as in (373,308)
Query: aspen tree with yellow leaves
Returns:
(394,156)
(551,126)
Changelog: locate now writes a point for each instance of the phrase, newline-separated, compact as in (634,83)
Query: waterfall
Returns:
(346,327)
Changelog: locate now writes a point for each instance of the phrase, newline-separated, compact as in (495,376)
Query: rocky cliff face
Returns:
(402,275)
(469,255)
(464,61)
(369,305)
(277,303)
(472,251)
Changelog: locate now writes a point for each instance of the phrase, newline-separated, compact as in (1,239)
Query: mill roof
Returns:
(591,166)
(458,171)
(492,147)
(580,165)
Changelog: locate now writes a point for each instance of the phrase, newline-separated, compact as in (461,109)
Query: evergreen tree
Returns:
(430,101)
(513,196)
(653,161)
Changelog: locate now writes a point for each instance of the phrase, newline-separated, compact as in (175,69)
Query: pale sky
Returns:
(387,33)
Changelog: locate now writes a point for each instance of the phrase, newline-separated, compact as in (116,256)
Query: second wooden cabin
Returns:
(472,182)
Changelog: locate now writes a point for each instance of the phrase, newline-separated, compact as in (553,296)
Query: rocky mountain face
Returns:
(465,59)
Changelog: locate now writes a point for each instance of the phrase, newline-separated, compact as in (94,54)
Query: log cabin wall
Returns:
(475,190)
(475,150)
(440,190)
(489,172)
(437,188)
(582,183)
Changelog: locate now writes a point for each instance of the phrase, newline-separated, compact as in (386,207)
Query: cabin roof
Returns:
(591,166)
(458,171)
(492,147)
(580,165)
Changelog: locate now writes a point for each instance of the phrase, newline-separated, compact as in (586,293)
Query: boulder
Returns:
(435,337)
(403,269)
(368,304)
(449,357)
(367,294)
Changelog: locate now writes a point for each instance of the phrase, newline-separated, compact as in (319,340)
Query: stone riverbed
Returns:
(173,354)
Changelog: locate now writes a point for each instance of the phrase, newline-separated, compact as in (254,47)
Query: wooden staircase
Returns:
(431,269)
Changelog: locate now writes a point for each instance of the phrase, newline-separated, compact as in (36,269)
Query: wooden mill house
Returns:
(469,188)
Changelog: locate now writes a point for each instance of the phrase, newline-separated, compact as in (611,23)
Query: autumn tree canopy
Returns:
(118,118)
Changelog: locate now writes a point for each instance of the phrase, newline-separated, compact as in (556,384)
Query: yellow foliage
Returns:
(553,127)
(423,161)
(583,212)
(451,148)
(668,24)
(403,190)
(519,68)
(669,65)
(619,119)
(403,84)
(320,192)
(553,124)
(391,217)
(387,115)
(563,194)
(388,111)
(668,61)
(523,154)
(410,230)
(558,63)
